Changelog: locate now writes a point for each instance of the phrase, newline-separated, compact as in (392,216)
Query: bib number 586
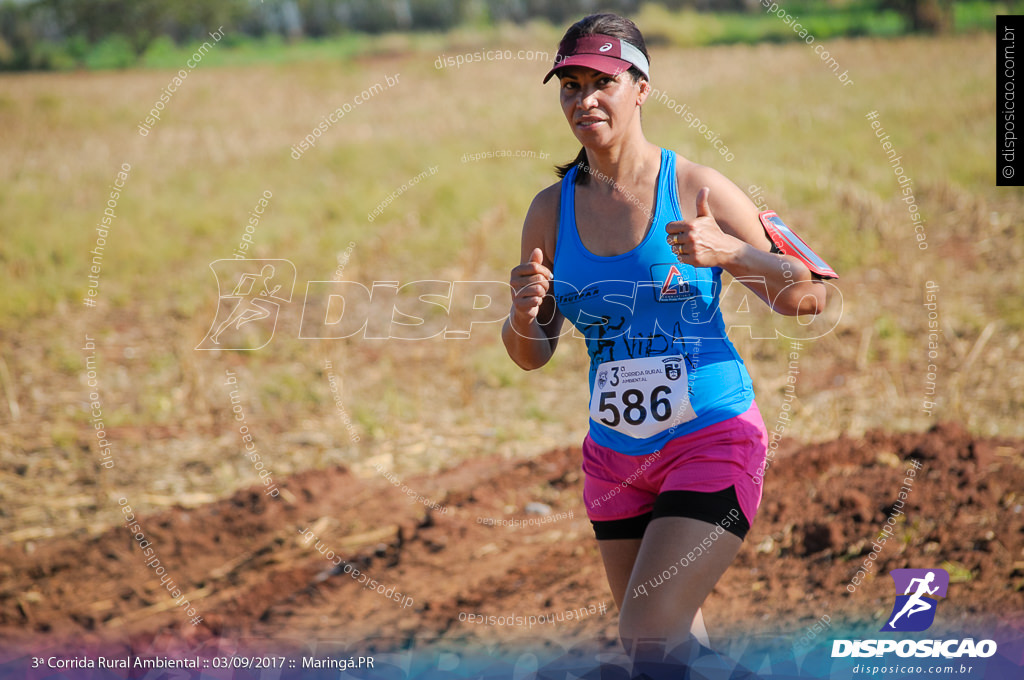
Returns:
(634,406)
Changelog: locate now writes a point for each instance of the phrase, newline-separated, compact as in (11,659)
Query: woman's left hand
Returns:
(701,242)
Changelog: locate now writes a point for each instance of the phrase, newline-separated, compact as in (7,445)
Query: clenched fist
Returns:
(530,282)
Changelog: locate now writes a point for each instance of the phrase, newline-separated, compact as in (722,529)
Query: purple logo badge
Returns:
(917,593)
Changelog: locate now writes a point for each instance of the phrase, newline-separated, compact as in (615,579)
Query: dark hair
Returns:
(617,27)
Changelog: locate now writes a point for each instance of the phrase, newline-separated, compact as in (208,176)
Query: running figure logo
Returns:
(258,288)
(915,608)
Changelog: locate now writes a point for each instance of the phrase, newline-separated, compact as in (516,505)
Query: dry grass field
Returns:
(226,137)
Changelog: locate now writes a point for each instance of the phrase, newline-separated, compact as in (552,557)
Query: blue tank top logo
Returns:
(675,287)
(677,318)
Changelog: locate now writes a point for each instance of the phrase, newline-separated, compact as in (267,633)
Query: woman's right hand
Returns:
(530,283)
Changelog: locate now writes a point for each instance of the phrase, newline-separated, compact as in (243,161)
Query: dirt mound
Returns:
(509,538)
(838,516)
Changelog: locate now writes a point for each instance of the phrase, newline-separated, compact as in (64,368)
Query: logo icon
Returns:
(674,286)
(672,369)
(258,289)
(605,47)
(602,379)
(914,610)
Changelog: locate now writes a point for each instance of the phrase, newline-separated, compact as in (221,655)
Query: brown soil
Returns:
(242,562)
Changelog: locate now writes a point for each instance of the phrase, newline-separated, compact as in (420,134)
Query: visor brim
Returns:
(613,66)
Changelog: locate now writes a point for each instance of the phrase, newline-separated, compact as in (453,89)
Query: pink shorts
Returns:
(727,454)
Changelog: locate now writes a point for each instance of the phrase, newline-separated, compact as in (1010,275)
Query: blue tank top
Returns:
(661,365)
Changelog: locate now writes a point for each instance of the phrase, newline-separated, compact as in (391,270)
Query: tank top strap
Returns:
(567,233)
(668,190)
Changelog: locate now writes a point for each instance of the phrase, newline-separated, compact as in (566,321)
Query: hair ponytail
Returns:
(581,162)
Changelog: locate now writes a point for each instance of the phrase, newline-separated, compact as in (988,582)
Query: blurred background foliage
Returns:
(98,34)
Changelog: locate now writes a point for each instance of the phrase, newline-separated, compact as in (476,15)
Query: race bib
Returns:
(641,397)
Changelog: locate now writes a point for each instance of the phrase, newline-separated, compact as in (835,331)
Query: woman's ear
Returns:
(645,90)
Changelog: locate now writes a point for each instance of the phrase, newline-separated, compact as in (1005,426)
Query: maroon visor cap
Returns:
(602,53)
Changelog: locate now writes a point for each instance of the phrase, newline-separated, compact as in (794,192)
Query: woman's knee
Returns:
(651,616)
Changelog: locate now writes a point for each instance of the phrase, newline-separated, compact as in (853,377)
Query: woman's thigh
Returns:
(619,555)
(679,561)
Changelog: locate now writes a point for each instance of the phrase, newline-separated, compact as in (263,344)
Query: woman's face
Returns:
(599,107)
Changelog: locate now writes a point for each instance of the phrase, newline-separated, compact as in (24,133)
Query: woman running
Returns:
(630,246)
